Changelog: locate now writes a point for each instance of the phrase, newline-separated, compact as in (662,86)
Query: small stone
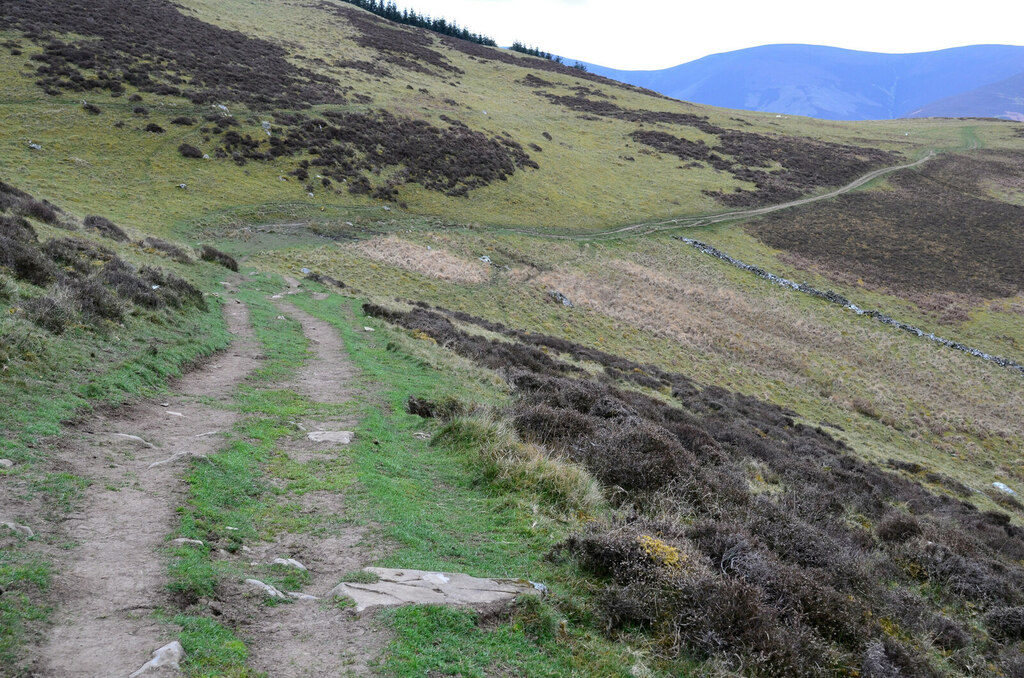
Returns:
(267,589)
(6,463)
(305,271)
(295,595)
(368,329)
(167,657)
(23,530)
(34,146)
(181,541)
(175,414)
(280,317)
(135,439)
(1005,489)
(233,529)
(337,437)
(289,562)
(421,435)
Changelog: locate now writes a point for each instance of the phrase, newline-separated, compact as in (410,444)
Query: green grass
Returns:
(435,640)
(437,506)
(24,580)
(48,381)
(211,649)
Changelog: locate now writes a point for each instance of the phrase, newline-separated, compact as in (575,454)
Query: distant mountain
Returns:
(840,84)
(1003,99)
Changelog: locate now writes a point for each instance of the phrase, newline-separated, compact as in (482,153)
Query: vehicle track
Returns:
(648,227)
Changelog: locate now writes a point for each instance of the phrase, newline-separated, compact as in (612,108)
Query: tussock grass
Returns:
(511,464)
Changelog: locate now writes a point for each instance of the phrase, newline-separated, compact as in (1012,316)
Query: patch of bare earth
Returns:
(315,638)
(115,575)
(436,263)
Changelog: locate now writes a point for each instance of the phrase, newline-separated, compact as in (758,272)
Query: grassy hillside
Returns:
(609,154)
(621,416)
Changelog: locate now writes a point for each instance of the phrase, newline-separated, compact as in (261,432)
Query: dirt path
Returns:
(316,638)
(691,222)
(115,575)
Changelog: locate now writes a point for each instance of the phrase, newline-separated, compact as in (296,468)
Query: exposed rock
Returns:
(560,298)
(368,329)
(20,529)
(134,439)
(419,587)
(165,660)
(1005,489)
(295,595)
(266,589)
(289,562)
(6,463)
(181,541)
(337,437)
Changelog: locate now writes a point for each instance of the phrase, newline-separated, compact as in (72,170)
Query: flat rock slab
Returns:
(337,437)
(165,661)
(420,587)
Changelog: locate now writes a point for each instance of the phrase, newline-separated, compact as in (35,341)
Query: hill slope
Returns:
(713,469)
(1003,99)
(351,108)
(836,84)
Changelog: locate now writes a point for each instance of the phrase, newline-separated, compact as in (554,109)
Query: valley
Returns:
(467,266)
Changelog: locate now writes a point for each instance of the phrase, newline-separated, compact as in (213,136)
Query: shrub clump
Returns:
(154,128)
(77,255)
(94,300)
(26,262)
(898,528)
(106,228)
(190,151)
(215,256)
(21,203)
(123,278)
(53,312)
(171,250)
(445,409)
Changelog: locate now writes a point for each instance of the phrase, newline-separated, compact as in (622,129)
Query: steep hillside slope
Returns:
(321,102)
(837,84)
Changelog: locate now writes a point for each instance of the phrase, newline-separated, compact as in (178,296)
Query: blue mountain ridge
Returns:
(842,84)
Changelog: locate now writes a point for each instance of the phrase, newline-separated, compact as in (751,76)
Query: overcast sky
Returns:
(657,34)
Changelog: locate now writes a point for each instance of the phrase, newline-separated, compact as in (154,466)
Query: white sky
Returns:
(661,33)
